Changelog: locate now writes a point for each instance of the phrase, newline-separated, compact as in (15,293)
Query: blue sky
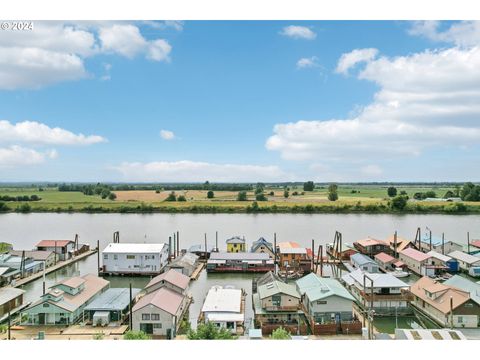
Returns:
(241,100)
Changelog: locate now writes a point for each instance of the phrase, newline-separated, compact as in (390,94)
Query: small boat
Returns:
(399,273)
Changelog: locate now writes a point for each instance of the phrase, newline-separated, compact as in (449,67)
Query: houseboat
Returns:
(371,247)
(240,262)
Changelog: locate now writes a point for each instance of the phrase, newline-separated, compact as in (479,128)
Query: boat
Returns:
(399,273)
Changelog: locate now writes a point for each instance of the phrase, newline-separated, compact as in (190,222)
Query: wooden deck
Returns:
(197,271)
(53,268)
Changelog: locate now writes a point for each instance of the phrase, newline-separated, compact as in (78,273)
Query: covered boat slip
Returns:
(111,306)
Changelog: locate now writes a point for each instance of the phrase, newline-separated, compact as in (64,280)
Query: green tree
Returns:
(104,193)
(3,207)
(260,188)
(280,334)
(210,194)
(24,208)
(308,186)
(171,197)
(112,196)
(398,202)
(136,335)
(449,194)
(286,194)
(332,192)
(261,197)
(470,192)
(392,191)
(242,196)
(209,331)
(181,198)
(430,194)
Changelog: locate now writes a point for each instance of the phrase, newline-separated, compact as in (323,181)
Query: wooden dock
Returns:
(53,268)
(197,271)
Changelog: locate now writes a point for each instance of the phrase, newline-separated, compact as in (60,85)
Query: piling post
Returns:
(275,251)
(430,240)
(55,263)
(130,309)
(9,325)
(178,243)
(313,254)
(174,246)
(468,242)
(169,248)
(206,256)
(395,239)
(321,260)
(216,241)
(443,243)
(341,244)
(451,312)
(98,257)
(44,270)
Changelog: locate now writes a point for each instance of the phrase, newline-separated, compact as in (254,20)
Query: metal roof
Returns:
(164,299)
(9,293)
(114,299)
(292,250)
(173,277)
(465,285)
(236,240)
(467,258)
(53,243)
(415,254)
(132,248)
(225,316)
(222,300)
(361,259)
(260,242)
(439,256)
(277,287)
(379,280)
(317,288)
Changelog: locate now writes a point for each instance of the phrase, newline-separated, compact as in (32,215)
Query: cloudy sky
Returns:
(240,101)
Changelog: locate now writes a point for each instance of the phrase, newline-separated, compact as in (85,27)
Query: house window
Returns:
(157,326)
(321,302)
(130,257)
(155,316)
(276,300)
(115,257)
(46,305)
(105,256)
(145,316)
(460,319)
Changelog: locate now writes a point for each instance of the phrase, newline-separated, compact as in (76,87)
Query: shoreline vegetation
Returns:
(206,198)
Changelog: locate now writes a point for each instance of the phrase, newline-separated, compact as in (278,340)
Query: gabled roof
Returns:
(51,243)
(260,242)
(317,288)
(222,300)
(402,243)
(164,299)
(277,287)
(443,292)
(475,243)
(73,282)
(173,277)
(9,293)
(288,244)
(467,258)
(292,250)
(439,256)
(466,285)
(415,254)
(361,259)
(34,254)
(268,278)
(114,299)
(236,240)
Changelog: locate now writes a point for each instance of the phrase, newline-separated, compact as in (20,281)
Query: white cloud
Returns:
(37,133)
(349,60)
(298,32)
(55,52)
(162,25)
(167,134)
(372,170)
(426,101)
(17,156)
(307,62)
(463,33)
(164,171)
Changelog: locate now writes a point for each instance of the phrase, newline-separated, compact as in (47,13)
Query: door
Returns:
(41,319)
(146,328)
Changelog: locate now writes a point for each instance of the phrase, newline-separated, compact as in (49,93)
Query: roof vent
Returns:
(270,286)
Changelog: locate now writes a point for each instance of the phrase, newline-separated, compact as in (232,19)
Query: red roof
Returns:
(173,277)
(475,243)
(164,299)
(415,254)
(385,258)
(51,243)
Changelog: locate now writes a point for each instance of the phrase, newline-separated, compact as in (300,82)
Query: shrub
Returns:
(242,196)
(136,335)
(181,198)
(210,194)
(280,334)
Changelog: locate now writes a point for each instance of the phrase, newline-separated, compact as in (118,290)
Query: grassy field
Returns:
(359,198)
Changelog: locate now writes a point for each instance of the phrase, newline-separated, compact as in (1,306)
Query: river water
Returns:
(25,230)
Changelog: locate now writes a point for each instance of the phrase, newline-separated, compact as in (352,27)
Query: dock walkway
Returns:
(54,268)
(197,271)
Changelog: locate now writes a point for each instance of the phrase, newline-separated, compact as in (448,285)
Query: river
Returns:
(25,230)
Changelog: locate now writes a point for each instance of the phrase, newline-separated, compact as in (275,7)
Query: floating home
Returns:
(371,247)
(185,264)
(390,294)
(134,259)
(292,257)
(401,244)
(170,279)
(263,246)
(277,304)
(464,284)
(11,300)
(236,244)
(439,245)
(17,267)
(63,248)
(360,261)
(65,301)
(466,262)
(417,262)
(328,305)
(344,253)
(446,304)
(159,313)
(225,308)
(389,263)
(112,306)
(240,262)
(200,250)
(443,262)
